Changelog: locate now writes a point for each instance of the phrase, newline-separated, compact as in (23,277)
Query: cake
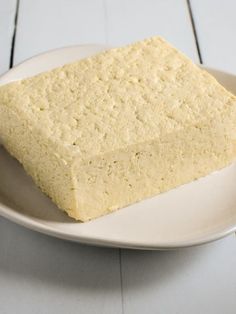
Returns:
(126,124)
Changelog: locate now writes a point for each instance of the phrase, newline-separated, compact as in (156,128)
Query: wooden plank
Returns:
(7,17)
(132,20)
(49,275)
(114,22)
(215,25)
(195,280)
(157,282)
(44,275)
(128,21)
(45,25)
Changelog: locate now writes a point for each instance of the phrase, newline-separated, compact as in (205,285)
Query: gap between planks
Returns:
(194,30)
(14,35)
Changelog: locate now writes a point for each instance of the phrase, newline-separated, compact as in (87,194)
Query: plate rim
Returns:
(35,225)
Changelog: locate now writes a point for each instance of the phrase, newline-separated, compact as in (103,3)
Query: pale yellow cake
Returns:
(105,132)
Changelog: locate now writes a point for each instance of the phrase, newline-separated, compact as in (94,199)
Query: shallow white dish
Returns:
(195,213)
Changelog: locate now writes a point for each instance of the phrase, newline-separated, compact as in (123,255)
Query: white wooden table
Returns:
(39,274)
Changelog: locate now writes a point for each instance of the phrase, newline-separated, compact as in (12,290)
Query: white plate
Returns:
(195,213)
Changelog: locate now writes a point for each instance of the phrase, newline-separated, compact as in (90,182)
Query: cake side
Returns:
(39,157)
(123,177)
(89,188)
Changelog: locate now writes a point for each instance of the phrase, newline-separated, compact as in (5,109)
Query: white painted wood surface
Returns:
(192,281)
(49,24)
(131,20)
(216,27)
(7,18)
(39,274)
(42,26)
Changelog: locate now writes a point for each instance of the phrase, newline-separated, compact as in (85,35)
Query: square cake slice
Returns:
(126,124)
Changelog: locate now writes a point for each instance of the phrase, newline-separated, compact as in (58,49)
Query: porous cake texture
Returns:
(126,124)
